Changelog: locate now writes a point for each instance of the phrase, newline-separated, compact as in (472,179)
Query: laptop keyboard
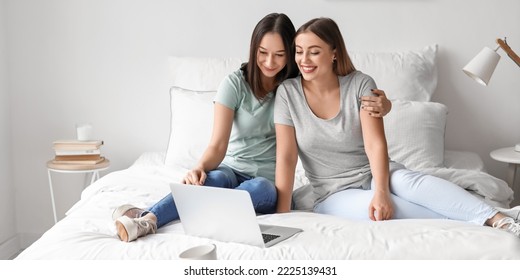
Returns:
(268,237)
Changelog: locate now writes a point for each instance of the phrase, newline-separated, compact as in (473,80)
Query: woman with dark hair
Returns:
(281,27)
(344,151)
(241,152)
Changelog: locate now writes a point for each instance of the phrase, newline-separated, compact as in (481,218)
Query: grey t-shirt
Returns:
(332,151)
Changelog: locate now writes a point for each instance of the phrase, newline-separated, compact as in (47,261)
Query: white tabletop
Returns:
(508,155)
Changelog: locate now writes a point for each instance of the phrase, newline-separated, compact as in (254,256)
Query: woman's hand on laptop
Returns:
(196,176)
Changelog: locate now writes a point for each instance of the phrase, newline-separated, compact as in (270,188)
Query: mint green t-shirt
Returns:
(252,144)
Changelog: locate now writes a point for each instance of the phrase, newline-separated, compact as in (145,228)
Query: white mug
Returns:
(202,252)
(84,132)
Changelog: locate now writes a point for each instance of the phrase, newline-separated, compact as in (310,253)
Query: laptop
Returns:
(224,215)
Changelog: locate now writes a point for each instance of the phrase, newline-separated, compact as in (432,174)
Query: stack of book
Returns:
(77,152)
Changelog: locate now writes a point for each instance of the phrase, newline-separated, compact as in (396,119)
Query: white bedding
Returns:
(415,131)
(88,232)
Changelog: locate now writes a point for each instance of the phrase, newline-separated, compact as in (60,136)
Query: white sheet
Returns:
(463,160)
(87,232)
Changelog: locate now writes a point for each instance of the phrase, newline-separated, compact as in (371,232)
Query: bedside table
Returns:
(512,157)
(93,170)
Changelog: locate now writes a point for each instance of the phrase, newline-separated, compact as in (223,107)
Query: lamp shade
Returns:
(481,67)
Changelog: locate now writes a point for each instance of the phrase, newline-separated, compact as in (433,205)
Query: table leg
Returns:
(511,174)
(94,177)
(52,196)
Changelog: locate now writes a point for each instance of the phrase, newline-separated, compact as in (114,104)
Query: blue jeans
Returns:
(415,195)
(262,191)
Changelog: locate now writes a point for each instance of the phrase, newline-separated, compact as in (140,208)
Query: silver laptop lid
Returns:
(216,213)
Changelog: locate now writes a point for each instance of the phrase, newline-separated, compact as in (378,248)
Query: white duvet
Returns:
(88,232)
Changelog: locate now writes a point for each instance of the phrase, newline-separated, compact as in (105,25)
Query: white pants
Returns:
(415,196)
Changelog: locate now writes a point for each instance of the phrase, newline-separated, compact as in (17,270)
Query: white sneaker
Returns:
(509,225)
(129,229)
(511,212)
(127,210)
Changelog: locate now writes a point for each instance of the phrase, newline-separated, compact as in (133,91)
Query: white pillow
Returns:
(407,75)
(201,73)
(415,133)
(194,81)
(191,124)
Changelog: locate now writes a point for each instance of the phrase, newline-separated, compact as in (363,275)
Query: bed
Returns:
(415,133)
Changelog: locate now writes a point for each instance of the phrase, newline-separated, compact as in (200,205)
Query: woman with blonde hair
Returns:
(318,117)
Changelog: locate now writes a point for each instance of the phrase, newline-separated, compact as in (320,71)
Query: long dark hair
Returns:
(328,31)
(281,24)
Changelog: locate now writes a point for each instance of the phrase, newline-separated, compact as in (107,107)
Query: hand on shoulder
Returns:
(377,106)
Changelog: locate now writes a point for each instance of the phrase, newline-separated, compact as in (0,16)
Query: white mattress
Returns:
(87,232)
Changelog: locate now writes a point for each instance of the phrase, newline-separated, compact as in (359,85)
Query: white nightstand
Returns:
(93,170)
(512,157)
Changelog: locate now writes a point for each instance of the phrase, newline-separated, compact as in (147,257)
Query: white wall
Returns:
(8,239)
(104,62)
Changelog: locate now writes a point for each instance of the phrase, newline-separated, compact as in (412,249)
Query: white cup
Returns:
(84,132)
(202,252)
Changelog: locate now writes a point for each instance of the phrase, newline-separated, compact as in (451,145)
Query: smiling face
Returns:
(314,56)
(271,56)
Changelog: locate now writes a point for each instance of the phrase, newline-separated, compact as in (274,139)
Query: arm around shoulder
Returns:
(377,106)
